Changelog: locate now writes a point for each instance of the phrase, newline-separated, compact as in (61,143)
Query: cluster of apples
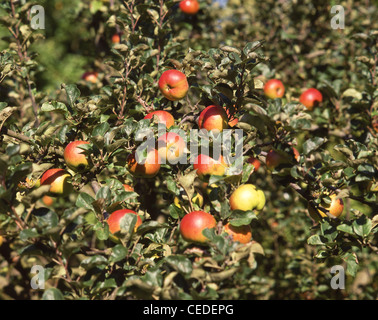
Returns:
(310,98)
(245,198)
(58,180)
(174,86)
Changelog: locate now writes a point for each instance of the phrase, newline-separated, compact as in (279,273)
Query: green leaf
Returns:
(242,218)
(150,225)
(345,228)
(102,231)
(175,212)
(352,263)
(362,226)
(104,193)
(45,218)
(101,129)
(127,223)
(316,240)
(28,233)
(73,93)
(172,186)
(248,169)
(12,149)
(180,263)
(54,106)
(225,210)
(84,200)
(186,181)
(94,261)
(52,294)
(312,144)
(119,252)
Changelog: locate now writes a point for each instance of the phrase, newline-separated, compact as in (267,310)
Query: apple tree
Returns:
(305,199)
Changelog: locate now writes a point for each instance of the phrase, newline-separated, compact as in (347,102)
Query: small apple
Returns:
(335,208)
(1,240)
(247,197)
(274,88)
(173,85)
(207,166)
(90,76)
(311,98)
(163,117)
(194,223)
(274,159)
(256,163)
(47,200)
(171,147)
(148,169)
(190,7)
(242,234)
(57,179)
(114,220)
(128,188)
(213,118)
(116,38)
(75,157)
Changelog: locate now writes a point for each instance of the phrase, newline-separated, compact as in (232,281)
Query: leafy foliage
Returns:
(227,53)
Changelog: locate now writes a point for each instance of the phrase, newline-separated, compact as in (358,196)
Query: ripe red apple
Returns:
(274,88)
(148,169)
(75,157)
(213,118)
(163,117)
(190,7)
(194,223)
(247,197)
(173,85)
(242,234)
(114,220)
(274,159)
(116,38)
(311,98)
(256,163)
(206,166)
(57,179)
(336,208)
(171,147)
(90,76)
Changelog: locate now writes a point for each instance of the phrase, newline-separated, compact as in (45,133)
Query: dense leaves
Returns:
(227,53)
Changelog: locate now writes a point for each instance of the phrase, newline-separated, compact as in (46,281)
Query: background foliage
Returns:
(227,53)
